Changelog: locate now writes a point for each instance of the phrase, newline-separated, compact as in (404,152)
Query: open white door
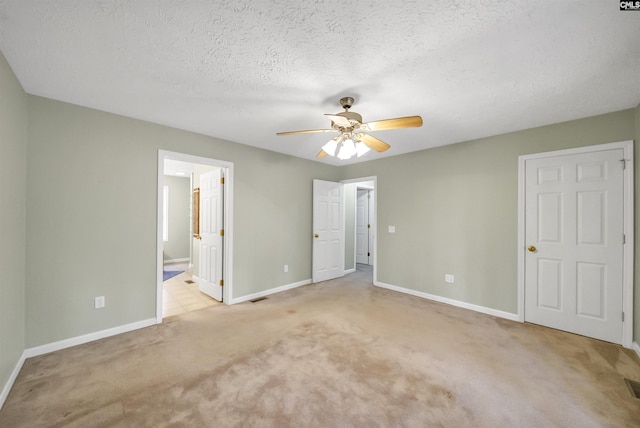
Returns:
(211,232)
(328,230)
(574,237)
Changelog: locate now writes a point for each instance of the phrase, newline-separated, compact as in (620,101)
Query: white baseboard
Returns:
(176,260)
(452,302)
(79,340)
(11,380)
(348,271)
(67,343)
(269,291)
(636,347)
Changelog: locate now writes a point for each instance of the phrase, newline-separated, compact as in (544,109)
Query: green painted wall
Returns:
(455,209)
(90,232)
(177,247)
(13,164)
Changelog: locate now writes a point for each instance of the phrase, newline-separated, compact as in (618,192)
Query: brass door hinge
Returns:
(221,180)
(221,232)
(368,226)
(221,282)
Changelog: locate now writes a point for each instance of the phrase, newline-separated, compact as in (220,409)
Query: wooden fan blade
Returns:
(308,131)
(399,122)
(321,154)
(341,121)
(373,143)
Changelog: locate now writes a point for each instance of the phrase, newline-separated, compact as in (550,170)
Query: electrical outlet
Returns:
(448,278)
(99,302)
(392,229)
(286,268)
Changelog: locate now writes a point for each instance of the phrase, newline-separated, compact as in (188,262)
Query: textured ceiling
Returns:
(243,70)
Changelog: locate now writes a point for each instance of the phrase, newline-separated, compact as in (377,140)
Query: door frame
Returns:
(628,212)
(227,264)
(373,178)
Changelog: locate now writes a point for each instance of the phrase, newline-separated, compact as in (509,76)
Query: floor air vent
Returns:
(188,281)
(634,387)
(259,299)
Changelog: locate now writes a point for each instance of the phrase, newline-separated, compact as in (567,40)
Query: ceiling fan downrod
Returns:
(346,103)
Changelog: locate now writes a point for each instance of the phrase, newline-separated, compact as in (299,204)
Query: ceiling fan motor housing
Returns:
(353,117)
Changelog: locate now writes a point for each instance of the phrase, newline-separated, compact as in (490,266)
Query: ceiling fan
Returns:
(354,138)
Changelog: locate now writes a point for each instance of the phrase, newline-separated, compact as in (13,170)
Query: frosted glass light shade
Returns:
(330,147)
(347,150)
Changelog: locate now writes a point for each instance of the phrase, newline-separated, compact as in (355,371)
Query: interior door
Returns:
(574,234)
(328,230)
(212,233)
(362,226)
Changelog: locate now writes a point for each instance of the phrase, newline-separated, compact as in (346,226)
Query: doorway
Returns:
(364,225)
(180,291)
(194,167)
(360,230)
(576,241)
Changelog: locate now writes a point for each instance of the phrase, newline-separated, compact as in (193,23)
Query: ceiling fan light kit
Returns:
(354,139)
(345,146)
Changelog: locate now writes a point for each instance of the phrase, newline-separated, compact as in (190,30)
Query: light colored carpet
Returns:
(337,354)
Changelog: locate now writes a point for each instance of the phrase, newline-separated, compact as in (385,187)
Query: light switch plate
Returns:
(392,229)
(99,302)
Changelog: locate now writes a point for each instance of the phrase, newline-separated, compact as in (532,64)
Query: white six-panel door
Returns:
(211,227)
(328,230)
(574,237)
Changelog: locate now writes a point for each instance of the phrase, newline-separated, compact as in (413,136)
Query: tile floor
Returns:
(179,297)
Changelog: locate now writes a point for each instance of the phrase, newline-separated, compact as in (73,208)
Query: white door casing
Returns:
(574,231)
(211,232)
(328,230)
(362,226)
(228,173)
